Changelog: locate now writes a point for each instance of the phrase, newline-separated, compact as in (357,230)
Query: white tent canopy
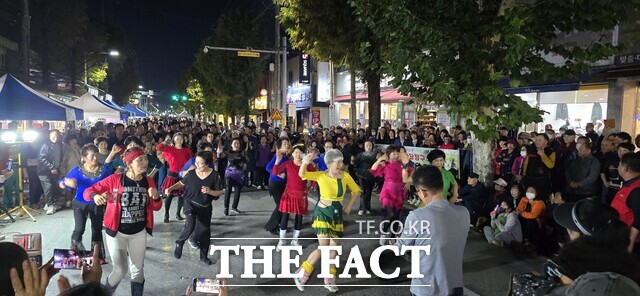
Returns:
(94,108)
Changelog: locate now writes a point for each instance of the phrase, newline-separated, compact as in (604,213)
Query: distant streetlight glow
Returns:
(114,53)
(140,87)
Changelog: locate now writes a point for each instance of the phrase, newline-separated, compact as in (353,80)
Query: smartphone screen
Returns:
(72,259)
(9,164)
(205,285)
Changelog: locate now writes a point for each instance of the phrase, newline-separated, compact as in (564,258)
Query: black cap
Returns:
(570,132)
(474,175)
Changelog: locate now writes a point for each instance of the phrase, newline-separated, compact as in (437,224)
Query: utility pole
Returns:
(284,76)
(276,77)
(25,32)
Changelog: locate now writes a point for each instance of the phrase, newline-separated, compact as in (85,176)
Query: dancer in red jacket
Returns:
(294,198)
(130,200)
(176,156)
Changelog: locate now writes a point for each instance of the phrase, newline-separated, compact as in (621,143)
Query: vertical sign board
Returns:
(324,82)
(304,68)
(315,116)
(291,114)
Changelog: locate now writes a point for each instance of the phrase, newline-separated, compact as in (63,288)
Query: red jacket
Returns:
(112,213)
(176,158)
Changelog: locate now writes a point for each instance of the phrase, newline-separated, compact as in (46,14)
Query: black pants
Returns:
(49,187)
(284,221)
(81,211)
(531,230)
(35,188)
(262,177)
(367,187)
(231,183)
(389,215)
(198,219)
(276,188)
(167,204)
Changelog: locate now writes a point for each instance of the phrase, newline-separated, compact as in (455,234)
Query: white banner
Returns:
(419,155)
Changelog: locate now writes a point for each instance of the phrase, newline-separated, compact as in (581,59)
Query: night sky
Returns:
(166,35)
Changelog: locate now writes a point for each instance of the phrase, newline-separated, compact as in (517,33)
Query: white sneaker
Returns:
(193,245)
(368,212)
(51,210)
(68,203)
(383,239)
(331,285)
(299,284)
(46,207)
(280,244)
(360,212)
(233,212)
(294,242)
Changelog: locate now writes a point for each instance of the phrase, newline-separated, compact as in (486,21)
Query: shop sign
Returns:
(300,96)
(260,103)
(627,59)
(304,68)
(291,110)
(315,116)
(442,118)
(419,155)
(324,82)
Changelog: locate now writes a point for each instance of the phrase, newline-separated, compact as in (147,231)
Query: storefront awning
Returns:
(387,96)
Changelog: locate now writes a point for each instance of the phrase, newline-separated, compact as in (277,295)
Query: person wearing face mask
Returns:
(518,164)
(447,143)
(530,212)
(505,226)
(582,174)
(473,196)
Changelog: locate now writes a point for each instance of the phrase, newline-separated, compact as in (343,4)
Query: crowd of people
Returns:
(117,175)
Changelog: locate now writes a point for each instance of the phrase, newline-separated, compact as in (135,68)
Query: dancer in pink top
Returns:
(392,195)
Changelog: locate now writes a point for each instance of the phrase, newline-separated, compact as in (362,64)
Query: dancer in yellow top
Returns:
(327,216)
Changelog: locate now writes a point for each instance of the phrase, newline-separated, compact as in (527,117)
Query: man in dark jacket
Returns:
(473,196)
(49,161)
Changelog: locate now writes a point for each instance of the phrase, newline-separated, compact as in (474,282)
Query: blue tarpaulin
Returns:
(136,112)
(20,102)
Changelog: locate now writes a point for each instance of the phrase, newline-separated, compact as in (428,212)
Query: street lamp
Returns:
(140,87)
(113,53)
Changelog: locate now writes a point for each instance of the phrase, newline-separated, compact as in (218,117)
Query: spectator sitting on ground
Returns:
(530,211)
(505,226)
(473,196)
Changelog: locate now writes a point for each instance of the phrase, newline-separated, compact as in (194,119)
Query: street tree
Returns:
(457,53)
(227,80)
(330,30)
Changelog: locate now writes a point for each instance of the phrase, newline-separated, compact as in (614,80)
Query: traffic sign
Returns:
(276,115)
(249,54)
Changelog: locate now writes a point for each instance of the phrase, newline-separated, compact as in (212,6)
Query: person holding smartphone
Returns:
(131,198)
(201,189)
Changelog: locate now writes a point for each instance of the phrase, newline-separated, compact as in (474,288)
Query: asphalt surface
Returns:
(486,267)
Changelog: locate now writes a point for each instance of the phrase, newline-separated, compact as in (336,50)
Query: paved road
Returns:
(486,268)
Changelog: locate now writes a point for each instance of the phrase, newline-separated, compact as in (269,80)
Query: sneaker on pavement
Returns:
(330,284)
(301,281)
(51,210)
(294,242)
(194,245)
(360,212)
(368,212)
(234,212)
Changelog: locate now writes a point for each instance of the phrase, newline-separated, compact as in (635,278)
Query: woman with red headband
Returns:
(130,199)
(176,156)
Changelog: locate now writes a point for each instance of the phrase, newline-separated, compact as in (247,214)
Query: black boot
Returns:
(166,217)
(137,288)
(178,250)
(180,218)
